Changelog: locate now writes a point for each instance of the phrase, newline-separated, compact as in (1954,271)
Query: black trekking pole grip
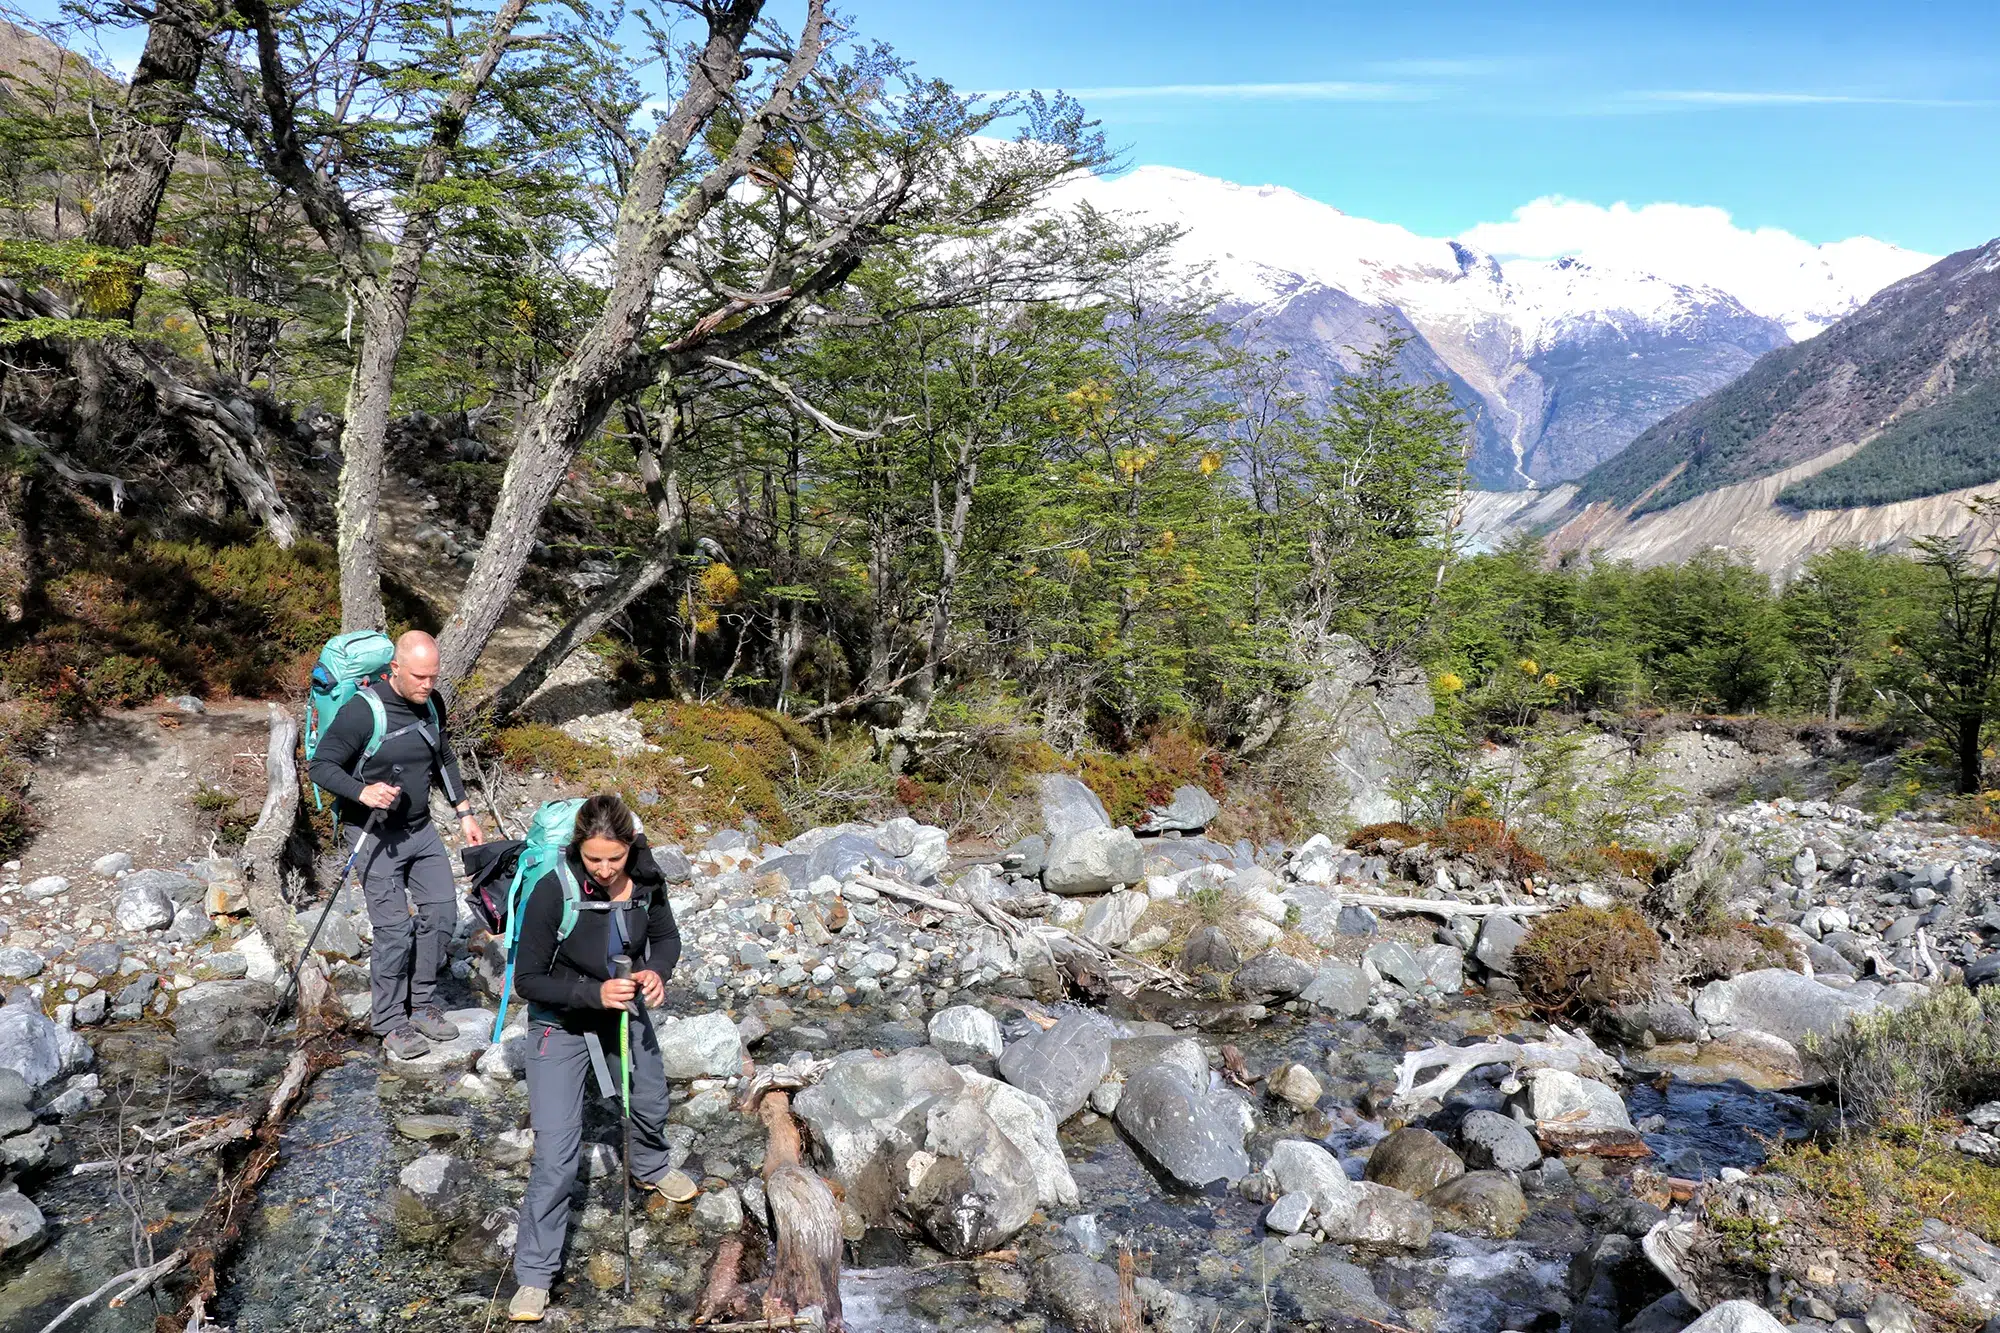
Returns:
(621,968)
(368,827)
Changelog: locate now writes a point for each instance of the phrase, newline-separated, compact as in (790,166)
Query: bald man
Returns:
(406,875)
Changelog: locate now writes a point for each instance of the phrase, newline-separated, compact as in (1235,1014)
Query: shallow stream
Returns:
(326,1250)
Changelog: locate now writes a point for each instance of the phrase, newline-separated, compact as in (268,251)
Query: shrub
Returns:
(744,758)
(1585,959)
(1631,862)
(23,724)
(1129,783)
(1494,846)
(1369,836)
(1904,1070)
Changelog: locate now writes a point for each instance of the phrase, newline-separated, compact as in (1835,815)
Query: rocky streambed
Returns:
(1326,1112)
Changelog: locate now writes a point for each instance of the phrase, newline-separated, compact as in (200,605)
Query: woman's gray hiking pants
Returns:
(559,1078)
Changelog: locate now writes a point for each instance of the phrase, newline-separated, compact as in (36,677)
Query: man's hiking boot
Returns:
(528,1306)
(430,1021)
(674,1186)
(406,1043)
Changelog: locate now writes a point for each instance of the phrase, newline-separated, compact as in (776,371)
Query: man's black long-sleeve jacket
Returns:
(424,751)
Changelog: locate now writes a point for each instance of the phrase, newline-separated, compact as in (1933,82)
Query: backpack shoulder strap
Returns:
(381,717)
(572,896)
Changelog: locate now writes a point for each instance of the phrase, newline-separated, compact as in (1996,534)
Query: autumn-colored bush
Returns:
(129,618)
(1369,837)
(716,764)
(1581,960)
(1132,782)
(1494,846)
(1631,862)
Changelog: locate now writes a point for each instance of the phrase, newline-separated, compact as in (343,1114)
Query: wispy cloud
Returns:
(1718,97)
(1323,91)
(1438,69)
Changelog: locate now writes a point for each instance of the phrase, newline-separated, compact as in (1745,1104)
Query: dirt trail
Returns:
(127,781)
(439,580)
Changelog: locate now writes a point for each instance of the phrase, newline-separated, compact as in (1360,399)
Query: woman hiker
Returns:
(574,1001)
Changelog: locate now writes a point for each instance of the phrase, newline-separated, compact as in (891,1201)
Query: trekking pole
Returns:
(367,831)
(621,966)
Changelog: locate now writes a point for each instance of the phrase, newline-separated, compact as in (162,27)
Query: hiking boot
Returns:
(406,1043)
(430,1021)
(674,1186)
(528,1306)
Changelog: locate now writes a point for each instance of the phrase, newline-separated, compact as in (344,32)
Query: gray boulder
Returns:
(1191,810)
(143,904)
(1784,1004)
(980,1188)
(1031,1127)
(1499,936)
(1194,1134)
(1111,919)
(1352,1212)
(1208,949)
(1070,807)
(720,1210)
(17,964)
(1491,1141)
(38,1050)
(704,1046)
(22,1230)
(1414,1161)
(1480,1203)
(111,865)
(1272,975)
(337,938)
(1085,1294)
(1339,988)
(921,848)
(869,1109)
(214,1012)
(845,854)
(1736,1317)
(1330,1292)
(1093,861)
(1062,1065)
(966,1033)
(45,887)
(791,865)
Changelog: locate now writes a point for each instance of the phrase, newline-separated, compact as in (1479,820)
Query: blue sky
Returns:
(1828,119)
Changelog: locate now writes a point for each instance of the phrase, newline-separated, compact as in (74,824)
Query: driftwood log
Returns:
(263,862)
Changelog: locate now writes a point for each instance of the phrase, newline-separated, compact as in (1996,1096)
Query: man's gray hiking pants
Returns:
(406,869)
(559,1078)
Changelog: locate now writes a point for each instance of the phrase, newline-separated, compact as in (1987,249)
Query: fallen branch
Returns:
(1442,907)
(724,1290)
(22,438)
(1567,1051)
(139,1278)
(231,1129)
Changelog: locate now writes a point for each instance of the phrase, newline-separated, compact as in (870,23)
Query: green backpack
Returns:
(347,665)
(543,849)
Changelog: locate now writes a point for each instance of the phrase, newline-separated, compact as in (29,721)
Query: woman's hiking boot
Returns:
(528,1306)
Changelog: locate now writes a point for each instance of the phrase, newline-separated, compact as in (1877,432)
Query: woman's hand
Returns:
(618,992)
(656,989)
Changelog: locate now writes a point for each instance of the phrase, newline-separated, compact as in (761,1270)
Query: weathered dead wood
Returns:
(806,1220)
(1569,1051)
(724,1293)
(263,854)
(24,439)
(1443,907)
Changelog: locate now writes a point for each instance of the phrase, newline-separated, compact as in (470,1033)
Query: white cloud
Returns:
(1718,98)
(1283,92)
(1769,269)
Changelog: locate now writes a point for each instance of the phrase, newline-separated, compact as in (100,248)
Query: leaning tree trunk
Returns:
(140,158)
(363,441)
(1970,725)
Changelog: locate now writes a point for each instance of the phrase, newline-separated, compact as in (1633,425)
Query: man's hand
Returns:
(655,989)
(380,795)
(469,831)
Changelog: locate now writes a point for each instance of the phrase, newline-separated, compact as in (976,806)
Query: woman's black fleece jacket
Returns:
(560,980)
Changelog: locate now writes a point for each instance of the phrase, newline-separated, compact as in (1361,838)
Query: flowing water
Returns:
(328,1248)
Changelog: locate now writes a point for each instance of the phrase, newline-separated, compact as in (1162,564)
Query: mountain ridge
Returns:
(1558,363)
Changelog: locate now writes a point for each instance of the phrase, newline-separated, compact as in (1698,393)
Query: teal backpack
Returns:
(347,665)
(543,849)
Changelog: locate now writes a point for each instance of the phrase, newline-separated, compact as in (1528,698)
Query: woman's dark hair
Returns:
(605,816)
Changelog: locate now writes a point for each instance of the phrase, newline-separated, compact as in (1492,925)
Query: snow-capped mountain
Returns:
(1559,363)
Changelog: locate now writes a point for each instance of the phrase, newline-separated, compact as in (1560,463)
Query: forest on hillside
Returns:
(760,360)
